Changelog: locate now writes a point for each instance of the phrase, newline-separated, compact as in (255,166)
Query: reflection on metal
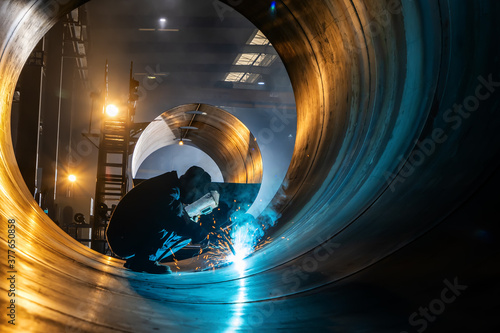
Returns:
(362,244)
(214,131)
(196,112)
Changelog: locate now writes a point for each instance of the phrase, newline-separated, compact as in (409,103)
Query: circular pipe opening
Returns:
(216,132)
(370,80)
(340,107)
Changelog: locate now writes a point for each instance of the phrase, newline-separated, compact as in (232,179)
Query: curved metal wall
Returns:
(219,134)
(394,175)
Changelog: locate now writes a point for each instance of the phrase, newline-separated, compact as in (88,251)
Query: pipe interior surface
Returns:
(388,186)
(218,133)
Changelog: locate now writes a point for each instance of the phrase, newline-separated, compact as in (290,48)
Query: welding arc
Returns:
(231,248)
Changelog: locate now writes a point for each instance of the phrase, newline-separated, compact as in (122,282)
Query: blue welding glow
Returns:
(236,322)
(246,233)
(243,239)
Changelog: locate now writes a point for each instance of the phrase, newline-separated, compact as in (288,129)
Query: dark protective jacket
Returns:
(149,215)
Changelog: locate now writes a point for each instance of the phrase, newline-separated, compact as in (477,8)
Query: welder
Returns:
(158,217)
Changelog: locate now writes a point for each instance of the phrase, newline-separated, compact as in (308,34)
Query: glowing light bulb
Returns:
(181,143)
(112,110)
(72,178)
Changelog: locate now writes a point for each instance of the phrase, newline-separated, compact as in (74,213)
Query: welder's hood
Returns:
(194,184)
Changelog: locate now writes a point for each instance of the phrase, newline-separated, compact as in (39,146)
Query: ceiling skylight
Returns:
(259,39)
(252,59)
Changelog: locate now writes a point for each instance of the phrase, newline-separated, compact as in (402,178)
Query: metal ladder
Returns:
(111,183)
(112,166)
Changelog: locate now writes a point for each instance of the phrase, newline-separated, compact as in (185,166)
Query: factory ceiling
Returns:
(184,52)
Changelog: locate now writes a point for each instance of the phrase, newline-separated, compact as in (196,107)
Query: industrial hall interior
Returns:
(242,166)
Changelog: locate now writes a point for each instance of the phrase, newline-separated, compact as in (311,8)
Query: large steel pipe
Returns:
(384,214)
(216,132)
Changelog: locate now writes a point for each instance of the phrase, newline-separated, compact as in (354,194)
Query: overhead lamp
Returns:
(261,83)
(112,110)
(163,20)
(182,141)
(72,178)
